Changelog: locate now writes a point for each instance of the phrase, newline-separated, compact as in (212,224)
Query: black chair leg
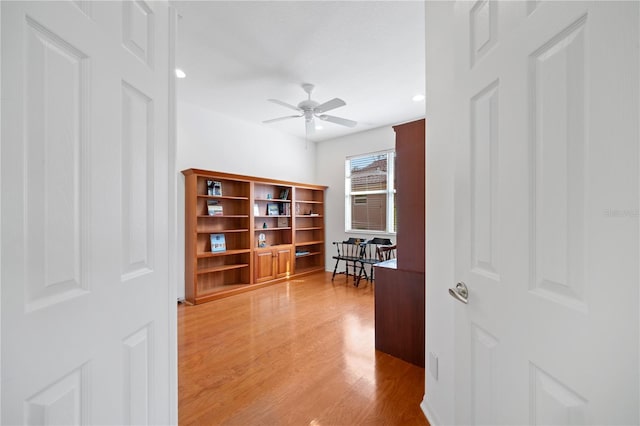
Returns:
(356,281)
(335,269)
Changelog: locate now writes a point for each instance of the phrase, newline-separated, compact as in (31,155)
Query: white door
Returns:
(546,208)
(86,311)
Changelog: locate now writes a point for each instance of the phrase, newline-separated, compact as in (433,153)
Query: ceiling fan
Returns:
(310,109)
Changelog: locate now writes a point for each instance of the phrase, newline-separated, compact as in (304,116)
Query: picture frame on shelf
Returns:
(218,243)
(214,187)
(256,209)
(284,194)
(283,222)
(273,209)
(214,209)
(217,187)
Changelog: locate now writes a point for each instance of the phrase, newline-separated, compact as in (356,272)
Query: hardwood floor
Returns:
(296,353)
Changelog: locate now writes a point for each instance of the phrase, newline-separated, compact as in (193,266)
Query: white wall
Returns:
(211,141)
(331,155)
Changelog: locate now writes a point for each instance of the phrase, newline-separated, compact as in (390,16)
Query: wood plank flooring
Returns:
(299,352)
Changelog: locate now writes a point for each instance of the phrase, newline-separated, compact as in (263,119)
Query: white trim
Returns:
(428,412)
(0,217)
(391,183)
(367,154)
(362,231)
(374,192)
(171,221)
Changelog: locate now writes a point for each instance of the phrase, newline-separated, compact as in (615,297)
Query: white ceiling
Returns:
(238,54)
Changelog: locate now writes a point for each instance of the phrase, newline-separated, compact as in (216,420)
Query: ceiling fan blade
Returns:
(284,104)
(338,120)
(329,105)
(282,118)
(310,126)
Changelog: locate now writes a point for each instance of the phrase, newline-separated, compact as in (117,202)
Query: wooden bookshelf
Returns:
(272,230)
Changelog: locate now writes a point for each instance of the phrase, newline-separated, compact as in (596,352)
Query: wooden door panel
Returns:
(540,163)
(85,213)
(264,266)
(283,262)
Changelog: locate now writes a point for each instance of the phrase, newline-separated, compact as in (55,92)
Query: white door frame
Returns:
(438,401)
(0,219)
(172,232)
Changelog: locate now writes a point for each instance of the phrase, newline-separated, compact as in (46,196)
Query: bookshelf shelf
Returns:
(222,253)
(222,268)
(272,200)
(309,243)
(305,254)
(224,231)
(222,197)
(223,215)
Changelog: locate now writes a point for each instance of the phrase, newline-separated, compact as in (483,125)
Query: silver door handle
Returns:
(460,293)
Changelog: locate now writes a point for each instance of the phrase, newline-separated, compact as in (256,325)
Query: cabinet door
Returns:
(283,260)
(264,265)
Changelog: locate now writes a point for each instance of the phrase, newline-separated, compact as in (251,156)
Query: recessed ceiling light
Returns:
(180,73)
(417,98)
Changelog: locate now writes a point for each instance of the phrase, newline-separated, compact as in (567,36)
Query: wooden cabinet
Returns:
(399,312)
(410,199)
(400,285)
(241,231)
(272,263)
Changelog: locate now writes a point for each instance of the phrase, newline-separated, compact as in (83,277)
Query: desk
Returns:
(399,312)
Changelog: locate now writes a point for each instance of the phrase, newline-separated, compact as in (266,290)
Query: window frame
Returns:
(390,193)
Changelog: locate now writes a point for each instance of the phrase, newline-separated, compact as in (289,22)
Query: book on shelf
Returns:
(302,252)
(218,243)
(285,209)
(214,187)
(213,208)
(256,209)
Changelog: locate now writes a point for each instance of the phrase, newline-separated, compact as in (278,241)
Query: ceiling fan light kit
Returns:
(310,109)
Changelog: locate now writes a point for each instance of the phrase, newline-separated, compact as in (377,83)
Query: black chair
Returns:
(349,252)
(370,255)
(380,241)
(386,253)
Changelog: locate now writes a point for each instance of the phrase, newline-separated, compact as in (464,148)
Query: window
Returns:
(370,193)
